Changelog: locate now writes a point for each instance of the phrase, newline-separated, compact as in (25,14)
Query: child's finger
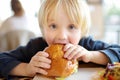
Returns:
(41,53)
(79,53)
(69,52)
(42,65)
(67,46)
(77,56)
(45,49)
(44,59)
(73,54)
(41,71)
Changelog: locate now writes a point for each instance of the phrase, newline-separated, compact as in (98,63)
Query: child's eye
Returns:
(72,27)
(53,26)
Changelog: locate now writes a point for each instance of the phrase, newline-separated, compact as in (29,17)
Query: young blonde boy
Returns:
(64,22)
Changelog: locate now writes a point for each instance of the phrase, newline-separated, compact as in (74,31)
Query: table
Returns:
(82,74)
(85,72)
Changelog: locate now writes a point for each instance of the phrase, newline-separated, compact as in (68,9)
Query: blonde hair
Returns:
(77,11)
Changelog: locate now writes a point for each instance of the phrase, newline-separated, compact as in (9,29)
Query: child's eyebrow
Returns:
(51,20)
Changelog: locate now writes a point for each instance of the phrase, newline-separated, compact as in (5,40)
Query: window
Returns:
(112,20)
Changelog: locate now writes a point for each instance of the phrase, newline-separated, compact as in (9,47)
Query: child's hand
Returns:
(77,52)
(38,63)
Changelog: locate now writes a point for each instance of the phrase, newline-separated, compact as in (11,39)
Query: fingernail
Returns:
(64,49)
(48,66)
(46,73)
(47,55)
(69,58)
(49,61)
(65,56)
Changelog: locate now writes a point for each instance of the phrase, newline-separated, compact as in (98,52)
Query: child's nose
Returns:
(62,35)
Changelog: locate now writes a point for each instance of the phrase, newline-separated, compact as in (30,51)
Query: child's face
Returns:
(61,30)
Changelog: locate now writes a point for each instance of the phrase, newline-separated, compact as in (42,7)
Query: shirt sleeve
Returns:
(111,51)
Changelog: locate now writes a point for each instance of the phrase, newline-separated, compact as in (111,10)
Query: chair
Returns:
(13,39)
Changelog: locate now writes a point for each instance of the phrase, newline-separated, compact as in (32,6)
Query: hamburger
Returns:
(60,67)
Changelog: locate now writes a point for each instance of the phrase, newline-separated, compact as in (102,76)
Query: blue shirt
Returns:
(10,59)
